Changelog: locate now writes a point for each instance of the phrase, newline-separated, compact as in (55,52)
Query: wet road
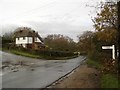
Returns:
(15,58)
(44,74)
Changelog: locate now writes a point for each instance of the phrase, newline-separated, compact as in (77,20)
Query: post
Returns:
(110,47)
(113,51)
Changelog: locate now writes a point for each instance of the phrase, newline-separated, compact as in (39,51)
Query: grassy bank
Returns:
(93,64)
(25,54)
(38,56)
(107,80)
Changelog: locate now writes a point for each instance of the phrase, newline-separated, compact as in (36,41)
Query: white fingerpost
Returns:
(110,47)
(113,51)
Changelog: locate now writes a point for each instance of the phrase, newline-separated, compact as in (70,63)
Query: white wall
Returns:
(24,41)
(37,40)
(30,40)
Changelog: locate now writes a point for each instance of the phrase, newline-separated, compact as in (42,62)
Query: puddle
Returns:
(16,67)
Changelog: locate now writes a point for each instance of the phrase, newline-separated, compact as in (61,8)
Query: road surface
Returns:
(46,72)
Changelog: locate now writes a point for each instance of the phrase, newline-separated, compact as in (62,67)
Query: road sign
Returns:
(110,47)
(107,47)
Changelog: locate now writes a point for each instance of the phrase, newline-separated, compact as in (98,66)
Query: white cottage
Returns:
(28,38)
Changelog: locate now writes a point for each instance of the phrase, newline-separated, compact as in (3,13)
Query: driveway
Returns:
(45,71)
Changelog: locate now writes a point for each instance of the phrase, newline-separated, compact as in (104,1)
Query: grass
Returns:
(119,82)
(93,63)
(109,81)
(27,54)
(24,54)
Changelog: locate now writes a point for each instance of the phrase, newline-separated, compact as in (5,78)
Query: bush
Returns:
(46,54)
(54,53)
(109,66)
(95,55)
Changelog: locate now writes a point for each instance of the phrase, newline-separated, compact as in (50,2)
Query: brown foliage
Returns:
(109,66)
(60,42)
(85,41)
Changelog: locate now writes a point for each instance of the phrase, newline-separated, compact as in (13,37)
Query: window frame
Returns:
(23,38)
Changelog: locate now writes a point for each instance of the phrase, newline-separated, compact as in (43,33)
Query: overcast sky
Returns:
(67,17)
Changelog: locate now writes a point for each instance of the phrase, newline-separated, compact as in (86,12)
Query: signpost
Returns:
(110,47)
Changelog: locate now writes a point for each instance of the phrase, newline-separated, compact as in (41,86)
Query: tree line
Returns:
(105,24)
(57,42)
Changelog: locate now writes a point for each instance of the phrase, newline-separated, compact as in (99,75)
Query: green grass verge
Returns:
(27,54)
(119,82)
(93,63)
(109,81)
(24,54)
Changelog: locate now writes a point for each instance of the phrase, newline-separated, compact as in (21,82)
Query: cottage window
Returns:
(35,38)
(23,38)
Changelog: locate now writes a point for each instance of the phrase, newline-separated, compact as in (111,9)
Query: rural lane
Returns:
(45,72)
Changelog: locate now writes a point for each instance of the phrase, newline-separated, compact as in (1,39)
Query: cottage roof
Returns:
(26,32)
(23,32)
